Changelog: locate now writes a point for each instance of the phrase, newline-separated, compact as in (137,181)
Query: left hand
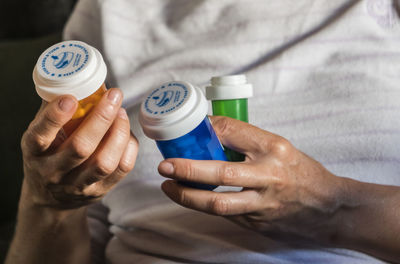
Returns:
(284,190)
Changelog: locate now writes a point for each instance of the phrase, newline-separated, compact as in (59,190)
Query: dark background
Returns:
(27,28)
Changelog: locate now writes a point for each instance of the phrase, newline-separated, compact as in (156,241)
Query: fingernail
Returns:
(166,168)
(122,114)
(66,104)
(114,96)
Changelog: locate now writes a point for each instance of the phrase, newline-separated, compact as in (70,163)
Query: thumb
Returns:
(44,129)
(241,136)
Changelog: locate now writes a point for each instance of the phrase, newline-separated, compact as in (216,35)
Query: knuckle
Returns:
(227,174)
(123,132)
(122,128)
(103,167)
(89,179)
(31,140)
(184,199)
(127,163)
(219,206)
(80,148)
(188,171)
(278,182)
(105,114)
(40,142)
(125,166)
(222,125)
(93,191)
(281,146)
(73,190)
(50,119)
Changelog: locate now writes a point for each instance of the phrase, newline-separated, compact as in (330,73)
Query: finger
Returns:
(241,136)
(125,165)
(82,195)
(47,123)
(104,161)
(229,203)
(213,172)
(86,138)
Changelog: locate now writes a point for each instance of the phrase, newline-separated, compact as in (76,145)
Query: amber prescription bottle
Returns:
(75,68)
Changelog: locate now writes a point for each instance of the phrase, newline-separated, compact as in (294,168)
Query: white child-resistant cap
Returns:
(229,87)
(172,110)
(69,67)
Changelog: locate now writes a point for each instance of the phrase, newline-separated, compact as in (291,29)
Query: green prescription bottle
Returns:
(229,97)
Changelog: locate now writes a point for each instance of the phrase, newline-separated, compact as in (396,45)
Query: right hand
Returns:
(68,173)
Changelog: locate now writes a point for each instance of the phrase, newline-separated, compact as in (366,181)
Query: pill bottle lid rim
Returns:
(172,110)
(229,87)
(69,67)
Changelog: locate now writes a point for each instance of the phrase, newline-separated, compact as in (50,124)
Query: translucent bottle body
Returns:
(237,109)
(84,107)
(175,116)
(199,144)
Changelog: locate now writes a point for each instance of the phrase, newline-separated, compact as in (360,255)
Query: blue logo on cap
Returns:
(63,59)
(164,99)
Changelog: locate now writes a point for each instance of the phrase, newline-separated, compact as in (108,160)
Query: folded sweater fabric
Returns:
(325,75)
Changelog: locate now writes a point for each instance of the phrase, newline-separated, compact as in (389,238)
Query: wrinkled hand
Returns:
(285,192)
(73,172)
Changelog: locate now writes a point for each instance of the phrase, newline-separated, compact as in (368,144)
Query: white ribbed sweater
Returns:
(326,77)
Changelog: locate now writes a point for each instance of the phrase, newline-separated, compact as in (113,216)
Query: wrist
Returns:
(368,219)
(48,235)
(358,214)
(352,197)
(333,206)
(31,208)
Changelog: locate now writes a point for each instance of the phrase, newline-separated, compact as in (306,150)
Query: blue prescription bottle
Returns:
(175,116)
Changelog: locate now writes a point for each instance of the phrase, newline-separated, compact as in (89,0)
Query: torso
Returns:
(328,87)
